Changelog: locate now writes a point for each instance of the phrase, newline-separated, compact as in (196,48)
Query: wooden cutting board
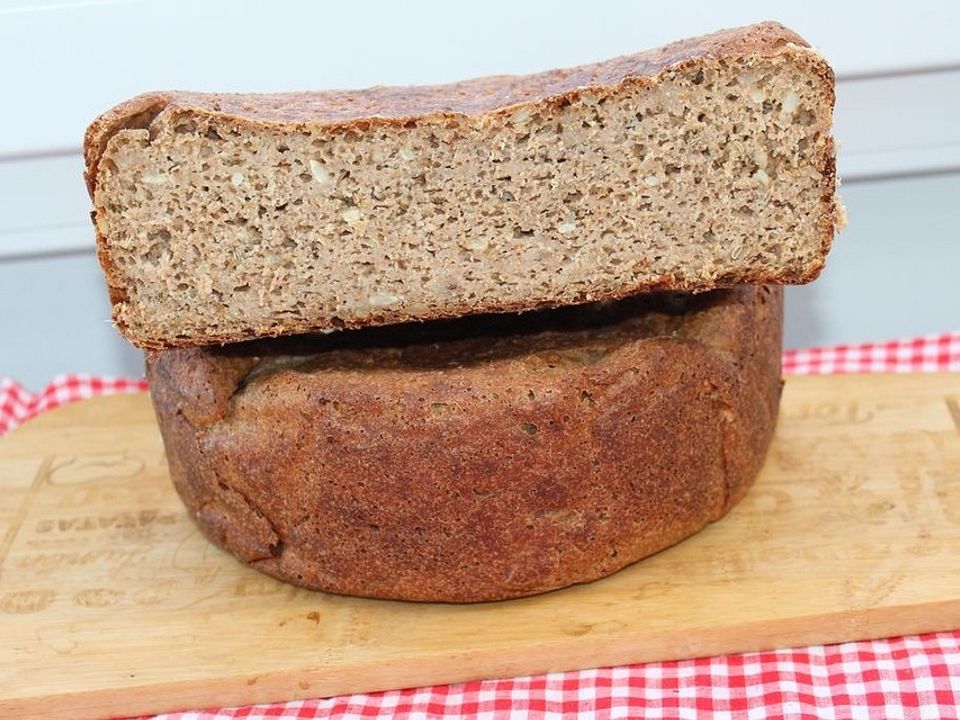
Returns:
(112,604)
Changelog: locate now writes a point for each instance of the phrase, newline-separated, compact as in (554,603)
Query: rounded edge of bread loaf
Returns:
(428,488)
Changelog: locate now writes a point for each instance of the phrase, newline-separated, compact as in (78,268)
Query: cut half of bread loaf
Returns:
(480,458)
(706,163)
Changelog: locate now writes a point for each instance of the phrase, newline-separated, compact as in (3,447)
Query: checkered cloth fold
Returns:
(18,405)
(898,678)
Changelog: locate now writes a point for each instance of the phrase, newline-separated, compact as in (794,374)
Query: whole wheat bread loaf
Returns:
(706,163)
(475,459)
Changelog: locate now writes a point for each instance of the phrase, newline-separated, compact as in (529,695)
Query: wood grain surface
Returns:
(112,604)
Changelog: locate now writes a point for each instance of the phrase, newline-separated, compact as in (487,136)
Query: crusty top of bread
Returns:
(435,103)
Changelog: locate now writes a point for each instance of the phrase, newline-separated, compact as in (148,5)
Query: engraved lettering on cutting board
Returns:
(108,556)
(849,413)
(122,520)
(121,544)
(55,543)
(95,468)
(43,474)
(106,480)
(97,597)
(95,471)
(150,490)
(26,601)
(156,593)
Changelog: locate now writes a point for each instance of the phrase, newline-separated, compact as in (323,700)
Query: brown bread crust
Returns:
(479,459)
(490,98)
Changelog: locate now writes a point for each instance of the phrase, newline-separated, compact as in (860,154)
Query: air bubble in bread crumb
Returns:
(155,179)
(790,103)
(319,172)
(352,215)
(478,244)
(384,299)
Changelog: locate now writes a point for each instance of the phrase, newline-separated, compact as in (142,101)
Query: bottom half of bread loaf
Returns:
(479,459)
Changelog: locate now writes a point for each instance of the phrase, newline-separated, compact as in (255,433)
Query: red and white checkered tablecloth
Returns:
(908,677)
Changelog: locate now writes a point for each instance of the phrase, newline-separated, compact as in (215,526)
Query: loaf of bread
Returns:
(707,163)
(475,459)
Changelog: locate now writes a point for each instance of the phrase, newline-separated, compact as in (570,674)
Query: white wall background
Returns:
(892,273)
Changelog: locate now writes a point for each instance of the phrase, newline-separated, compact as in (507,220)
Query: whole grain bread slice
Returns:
(706,163)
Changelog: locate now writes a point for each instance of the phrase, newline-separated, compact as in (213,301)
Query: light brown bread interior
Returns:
(705,164)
